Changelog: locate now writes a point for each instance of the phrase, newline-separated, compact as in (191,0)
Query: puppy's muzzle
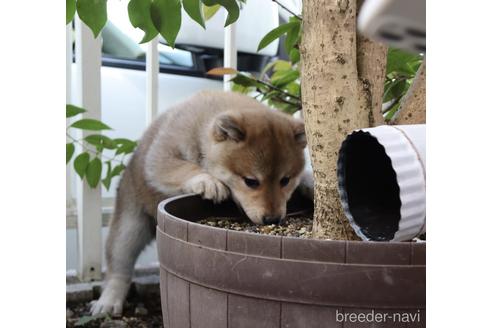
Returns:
(271,219)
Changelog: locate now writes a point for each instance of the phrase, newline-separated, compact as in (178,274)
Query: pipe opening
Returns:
(369,187)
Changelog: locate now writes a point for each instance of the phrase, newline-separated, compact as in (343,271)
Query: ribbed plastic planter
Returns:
(212,277)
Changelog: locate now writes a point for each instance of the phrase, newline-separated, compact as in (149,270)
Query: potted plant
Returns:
(213,277)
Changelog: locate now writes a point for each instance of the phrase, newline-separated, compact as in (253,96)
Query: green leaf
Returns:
(80,164)
(232,11)
(415,65)
(293,35)
(394,90)
(392,111)
(293,88)
(90,124)
(72,110)
(107,180)
(122,141)
(241,89)
(117,170)
(286,108)
(69,150)
(266,69)
(209,12)
(93,13)
(126,149)
(269,95)
(70,10)
(93,172)
(84,320)
(281,65)
(294,55)
(108,143)
(139,15)
(166,15)
(124,146)
(275,34)
(231,7)
(100,141)
(194,9)
(282,78)
(245,81)
(402,62)
(111,173)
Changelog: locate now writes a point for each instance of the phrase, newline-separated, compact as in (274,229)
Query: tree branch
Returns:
(95,152)
(371,71)
(278,89)
(285,101)
(287,10)
(393,102)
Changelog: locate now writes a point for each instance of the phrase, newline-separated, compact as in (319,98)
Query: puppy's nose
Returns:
(271,219)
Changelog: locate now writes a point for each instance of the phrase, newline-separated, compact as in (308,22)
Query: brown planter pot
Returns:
(212,277)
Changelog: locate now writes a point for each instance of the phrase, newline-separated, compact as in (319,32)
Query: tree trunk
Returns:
(412,108)
(342,86)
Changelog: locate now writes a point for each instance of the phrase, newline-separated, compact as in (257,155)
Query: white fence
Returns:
(88,201)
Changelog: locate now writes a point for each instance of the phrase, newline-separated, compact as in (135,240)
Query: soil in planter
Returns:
(297,226)
(137,313)
(292,226)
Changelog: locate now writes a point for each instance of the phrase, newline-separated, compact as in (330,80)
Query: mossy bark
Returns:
(342,80)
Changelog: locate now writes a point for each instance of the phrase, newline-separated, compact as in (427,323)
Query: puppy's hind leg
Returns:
(130,231)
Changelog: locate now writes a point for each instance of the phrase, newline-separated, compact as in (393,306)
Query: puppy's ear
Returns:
(300,133)
(227,126)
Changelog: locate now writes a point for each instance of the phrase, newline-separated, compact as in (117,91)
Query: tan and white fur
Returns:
(215,144)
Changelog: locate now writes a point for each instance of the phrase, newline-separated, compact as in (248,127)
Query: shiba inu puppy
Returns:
(216,144)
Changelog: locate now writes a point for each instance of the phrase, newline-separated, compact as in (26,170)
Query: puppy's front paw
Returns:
(112,298)
(208,187)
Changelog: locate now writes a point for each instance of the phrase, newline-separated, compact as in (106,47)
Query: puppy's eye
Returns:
(284,181)
(252,183)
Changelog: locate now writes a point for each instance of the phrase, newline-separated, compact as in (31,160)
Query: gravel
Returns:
(301,227)
(137,313)
(114,324)
(297,226)
(70,314)
(140,310)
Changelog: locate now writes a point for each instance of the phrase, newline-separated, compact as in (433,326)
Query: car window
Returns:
(117,44)
(121,48)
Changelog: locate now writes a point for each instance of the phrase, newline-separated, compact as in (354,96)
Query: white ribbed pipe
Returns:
(381,177)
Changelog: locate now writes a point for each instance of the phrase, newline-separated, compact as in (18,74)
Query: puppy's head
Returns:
(259,156)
